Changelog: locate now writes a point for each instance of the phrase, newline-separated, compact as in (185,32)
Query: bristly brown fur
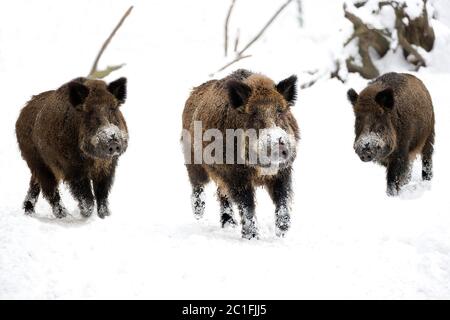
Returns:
(260,99)
(50,131)
(401,106)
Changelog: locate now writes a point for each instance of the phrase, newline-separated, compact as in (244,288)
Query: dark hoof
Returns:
(198,207)
(282,225)
(85,214)
(250,235)
(392,192)
(198,203)
(29,208)
(86,209)
(249,228)
(426,176)
(227,221)
(250,232)
(103,212)
(281,231)
(59,212)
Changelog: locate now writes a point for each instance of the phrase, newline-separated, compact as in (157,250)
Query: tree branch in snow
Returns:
(412,33)
(323,75)
(236,40)
(261,32)
(99,74)
(360,4)
(227,22)
(416,32)
(240,54)
(238,58)
(367,38)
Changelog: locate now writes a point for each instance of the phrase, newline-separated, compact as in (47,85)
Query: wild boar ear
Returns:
(119,89)
(385,98)
(288,88)
(352,96)
(77,93)
(238,93)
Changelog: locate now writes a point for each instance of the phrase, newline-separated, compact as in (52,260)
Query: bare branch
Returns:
(368,37)
(312,72)
(236,41)
(227,22)
(261,32)
(105,44)
(309,84)
(100,74)
(240,54)
(411,50)
(238,58)
(322,75)
(402,39)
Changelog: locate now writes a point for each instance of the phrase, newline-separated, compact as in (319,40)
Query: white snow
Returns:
(108,132)
(267,148)
(347,238)
(369,138)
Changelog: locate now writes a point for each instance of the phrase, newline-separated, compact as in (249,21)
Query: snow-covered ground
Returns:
(348,239)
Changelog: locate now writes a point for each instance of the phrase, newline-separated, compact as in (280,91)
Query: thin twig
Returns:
(236,41)
(240,54)
(227,22)
(108,40)
(311,82)
(238,58)
(261,32)
(100,74)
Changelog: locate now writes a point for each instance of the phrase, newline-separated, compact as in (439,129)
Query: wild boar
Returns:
(255,106)
(74,134)
(394,123)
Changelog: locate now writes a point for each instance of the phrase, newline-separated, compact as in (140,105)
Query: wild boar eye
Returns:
(279,110)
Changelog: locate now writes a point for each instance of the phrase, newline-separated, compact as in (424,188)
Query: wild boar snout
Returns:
(275,147)
(370,147)
(110,141)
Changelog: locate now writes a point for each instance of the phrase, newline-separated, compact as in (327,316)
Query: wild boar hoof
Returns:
(392,191)
(199,212)
(103,212)
(198,207)
(282,224)
(86,208)
(228,221)
(59,211)
(249,235)
(250,232)
(29,208)
(282,228)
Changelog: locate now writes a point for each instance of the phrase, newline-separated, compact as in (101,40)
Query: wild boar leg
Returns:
(244,196)
(280,192)
(102,186)
(82,192)
(427,158)
(398,173)
(49,186)
(226,210)
(32,196)
(198,178)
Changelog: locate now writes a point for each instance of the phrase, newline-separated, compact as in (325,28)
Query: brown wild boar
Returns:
(394,123)
(256,113)
(73,134)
